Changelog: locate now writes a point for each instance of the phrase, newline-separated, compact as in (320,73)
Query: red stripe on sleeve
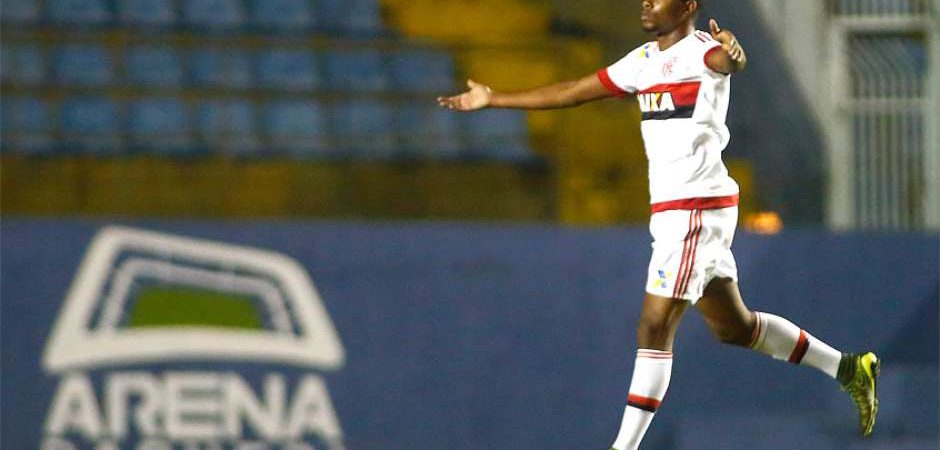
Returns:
(610,85)
(705,58)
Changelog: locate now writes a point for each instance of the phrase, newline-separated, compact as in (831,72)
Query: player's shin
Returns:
(781,339)
(651,374)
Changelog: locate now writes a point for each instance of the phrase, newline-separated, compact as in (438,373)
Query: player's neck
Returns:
(666,40)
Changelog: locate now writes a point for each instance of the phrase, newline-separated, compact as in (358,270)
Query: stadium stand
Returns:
(22,64)
(371,82)
(436,135)
(498,134)
(79,12)
(287,69)
(213,14)
(357,70)
(222,68)
(160,125)
(20,11)
(26,125)
(83,65)
(424,71)
(90,125)
(350,17)
(154,66)
(282,16)
(364,129)
(147,12)
(229,126)
(297,128)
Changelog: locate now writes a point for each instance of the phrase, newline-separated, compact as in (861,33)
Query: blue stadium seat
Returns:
(154,66)
(161,125)
(498,134)
(288,69)
(422,71)
(364,129)
(20,11)
(22,64)
(228,126)
(226,68)
(26,125)
(282,15)
(429,132)
(79,12)
(90,125)
(297,127)
(147,12)
(83,64)
(359,70)
(213,13)
(350,17)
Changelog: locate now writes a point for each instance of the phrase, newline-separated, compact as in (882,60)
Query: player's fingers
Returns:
(472,84)
(713,25)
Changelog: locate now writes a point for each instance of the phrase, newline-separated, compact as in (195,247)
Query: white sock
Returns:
(651,374)
(781,339)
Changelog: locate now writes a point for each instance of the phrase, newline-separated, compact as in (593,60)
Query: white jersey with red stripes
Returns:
(684,105)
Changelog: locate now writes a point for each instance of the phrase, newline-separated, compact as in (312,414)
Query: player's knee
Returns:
(732,334)
(651,330)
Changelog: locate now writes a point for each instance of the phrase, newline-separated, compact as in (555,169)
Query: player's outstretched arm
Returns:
(731,58)
(558,95)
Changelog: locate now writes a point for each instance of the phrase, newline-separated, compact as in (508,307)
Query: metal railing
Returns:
(884,154)
(880,8)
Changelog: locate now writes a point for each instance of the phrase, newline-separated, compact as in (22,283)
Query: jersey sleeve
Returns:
(620,77)
(706,44)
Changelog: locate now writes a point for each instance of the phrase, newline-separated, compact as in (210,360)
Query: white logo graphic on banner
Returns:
(127,270)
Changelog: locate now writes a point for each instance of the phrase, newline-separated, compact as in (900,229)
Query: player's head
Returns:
(664,16)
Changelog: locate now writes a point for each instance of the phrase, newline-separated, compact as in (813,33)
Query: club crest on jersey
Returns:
(669,100)
(670,66)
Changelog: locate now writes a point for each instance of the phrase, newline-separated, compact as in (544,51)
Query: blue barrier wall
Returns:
(475,336)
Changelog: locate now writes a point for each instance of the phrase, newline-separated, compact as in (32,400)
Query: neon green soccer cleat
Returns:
(860,382)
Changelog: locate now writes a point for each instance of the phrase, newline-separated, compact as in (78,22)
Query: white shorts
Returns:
(690,248)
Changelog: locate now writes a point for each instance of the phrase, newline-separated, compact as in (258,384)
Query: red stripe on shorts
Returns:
(685,255)
(698,233)
(688,254)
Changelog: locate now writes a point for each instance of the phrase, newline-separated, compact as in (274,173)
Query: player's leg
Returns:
(733,323)
(652,369)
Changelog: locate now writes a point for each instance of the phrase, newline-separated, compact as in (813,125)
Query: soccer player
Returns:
(682,83)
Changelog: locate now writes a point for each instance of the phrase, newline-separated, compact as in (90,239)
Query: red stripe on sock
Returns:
(757,327)
(802,344)
(654,355)
(646,403)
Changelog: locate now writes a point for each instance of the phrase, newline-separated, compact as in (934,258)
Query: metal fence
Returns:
(884,164)
(880,8)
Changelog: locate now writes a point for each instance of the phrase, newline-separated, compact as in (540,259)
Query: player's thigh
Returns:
(724,309)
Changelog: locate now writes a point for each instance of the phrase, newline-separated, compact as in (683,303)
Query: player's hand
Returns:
(728,42)
(478,97)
